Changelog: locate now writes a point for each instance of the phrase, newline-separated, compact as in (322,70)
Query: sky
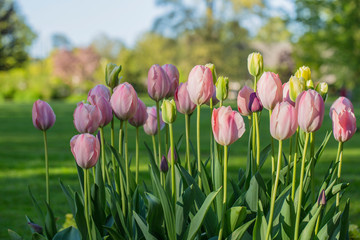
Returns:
(81,21)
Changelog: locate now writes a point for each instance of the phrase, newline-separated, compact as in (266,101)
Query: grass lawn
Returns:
(22,159)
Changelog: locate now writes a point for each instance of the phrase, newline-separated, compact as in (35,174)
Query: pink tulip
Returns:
(150,126)
(214,98)
(124,101)
(340,104)
(43,116)
(255,104)
(183,102)
(286,94)
(283,121)
(86,150)
(243,101)
(269,90)
(310,107)
(227,125)
(98,92)
(87,118)
(344,125)
(158,83)
(200,84)
(140,116)
(105,110)
(173,75)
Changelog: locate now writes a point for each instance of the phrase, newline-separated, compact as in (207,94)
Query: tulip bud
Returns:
(283,121)
(87,118)
(43,116)
(173,75)
(150,126)
(344,125)
(175,155)
(222,88)
(243,99)
(255,104)
(286,94)
(269,90)
(297,86)
(37,228)
(98,92)
(255,64)
(140,116)
(168,109)
(340,104)
(322,88)
(86,150)
(213,71)
(124,101)
(322,198)
(112,75)
(158,83)
(200,84)
(227,125)
(303,72)
(309,84)
(183,102)
(310,107)
(164,167)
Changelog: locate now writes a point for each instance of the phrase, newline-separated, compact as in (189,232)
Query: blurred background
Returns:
(59,49)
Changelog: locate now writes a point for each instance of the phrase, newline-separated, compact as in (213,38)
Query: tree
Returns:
(15,36)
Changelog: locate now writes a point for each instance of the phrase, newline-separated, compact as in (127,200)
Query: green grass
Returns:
(22,159)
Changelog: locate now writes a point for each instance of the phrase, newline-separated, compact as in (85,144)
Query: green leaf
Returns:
(200,215)
(344,222)
(326,232)
(234,218)
(98,209)
(152,160)
(239,232)
(259,231)
(80,217)
(308,231)
(37,207)
(37,236)
(252,195)
(13,235)
(287,219)
(69,233)
(114,233)
(205,179)
(264,154)
(143,227)
(68,196)
(50,224)
(185,203)
(155,215)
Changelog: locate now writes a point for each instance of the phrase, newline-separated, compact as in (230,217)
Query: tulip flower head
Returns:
(150,126)
(124,101)
(322,88)
(200,84)
(222,88)
(87,118)
(98,92)
(340,104)
(243,99)
(86,150)
(158,83)
(183,102)
(105,110)
(173,75)
(168,109)
(140,116)
(255,64)
(43,116)
(322,198)
(112,75)
(269,90)
(255,104)
(213,71)
(227,125)
(309,84)
(164,167)
(303,72)
(344,125)
(286,94)
(296,87)
(283,121)
(310,106)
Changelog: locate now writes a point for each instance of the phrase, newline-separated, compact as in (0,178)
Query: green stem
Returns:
(112,140)
(198,144)
(166,137)
(289,160)
(298,212)
(127,167)
(187,132)
(158,129)
(137,156)
(224,191)
(318,222)
(104,171)
(257,142)
(272,154)
(339,159)
(312,177)
(173,186)
(274,190)
(86,201)
(253,127)
(293,188)
(46,169)
(221,103)
(154,147)
(121,181)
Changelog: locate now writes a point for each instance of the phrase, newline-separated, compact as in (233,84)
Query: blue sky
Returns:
(82,20)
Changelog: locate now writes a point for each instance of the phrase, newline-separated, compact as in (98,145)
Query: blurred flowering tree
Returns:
(15,36)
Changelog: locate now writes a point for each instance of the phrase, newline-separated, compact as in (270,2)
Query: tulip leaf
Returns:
(308,231)
(259,231)
(69,197)
(80,176)
(344,222)
(326,232)
(217,178)
(234,217)
(197,220)
(322,146)
(13,235)
(205,179)
(264,154)
(114,233)
(37,236)
(257,189)
(152,160)
(80,217)
(69,233)
(143,227)
(37,207)
(50,225)
(98,210)
(239,232)
(155,215)
(287,219)
(183,207)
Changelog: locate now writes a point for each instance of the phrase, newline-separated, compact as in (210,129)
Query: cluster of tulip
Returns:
(294,107)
